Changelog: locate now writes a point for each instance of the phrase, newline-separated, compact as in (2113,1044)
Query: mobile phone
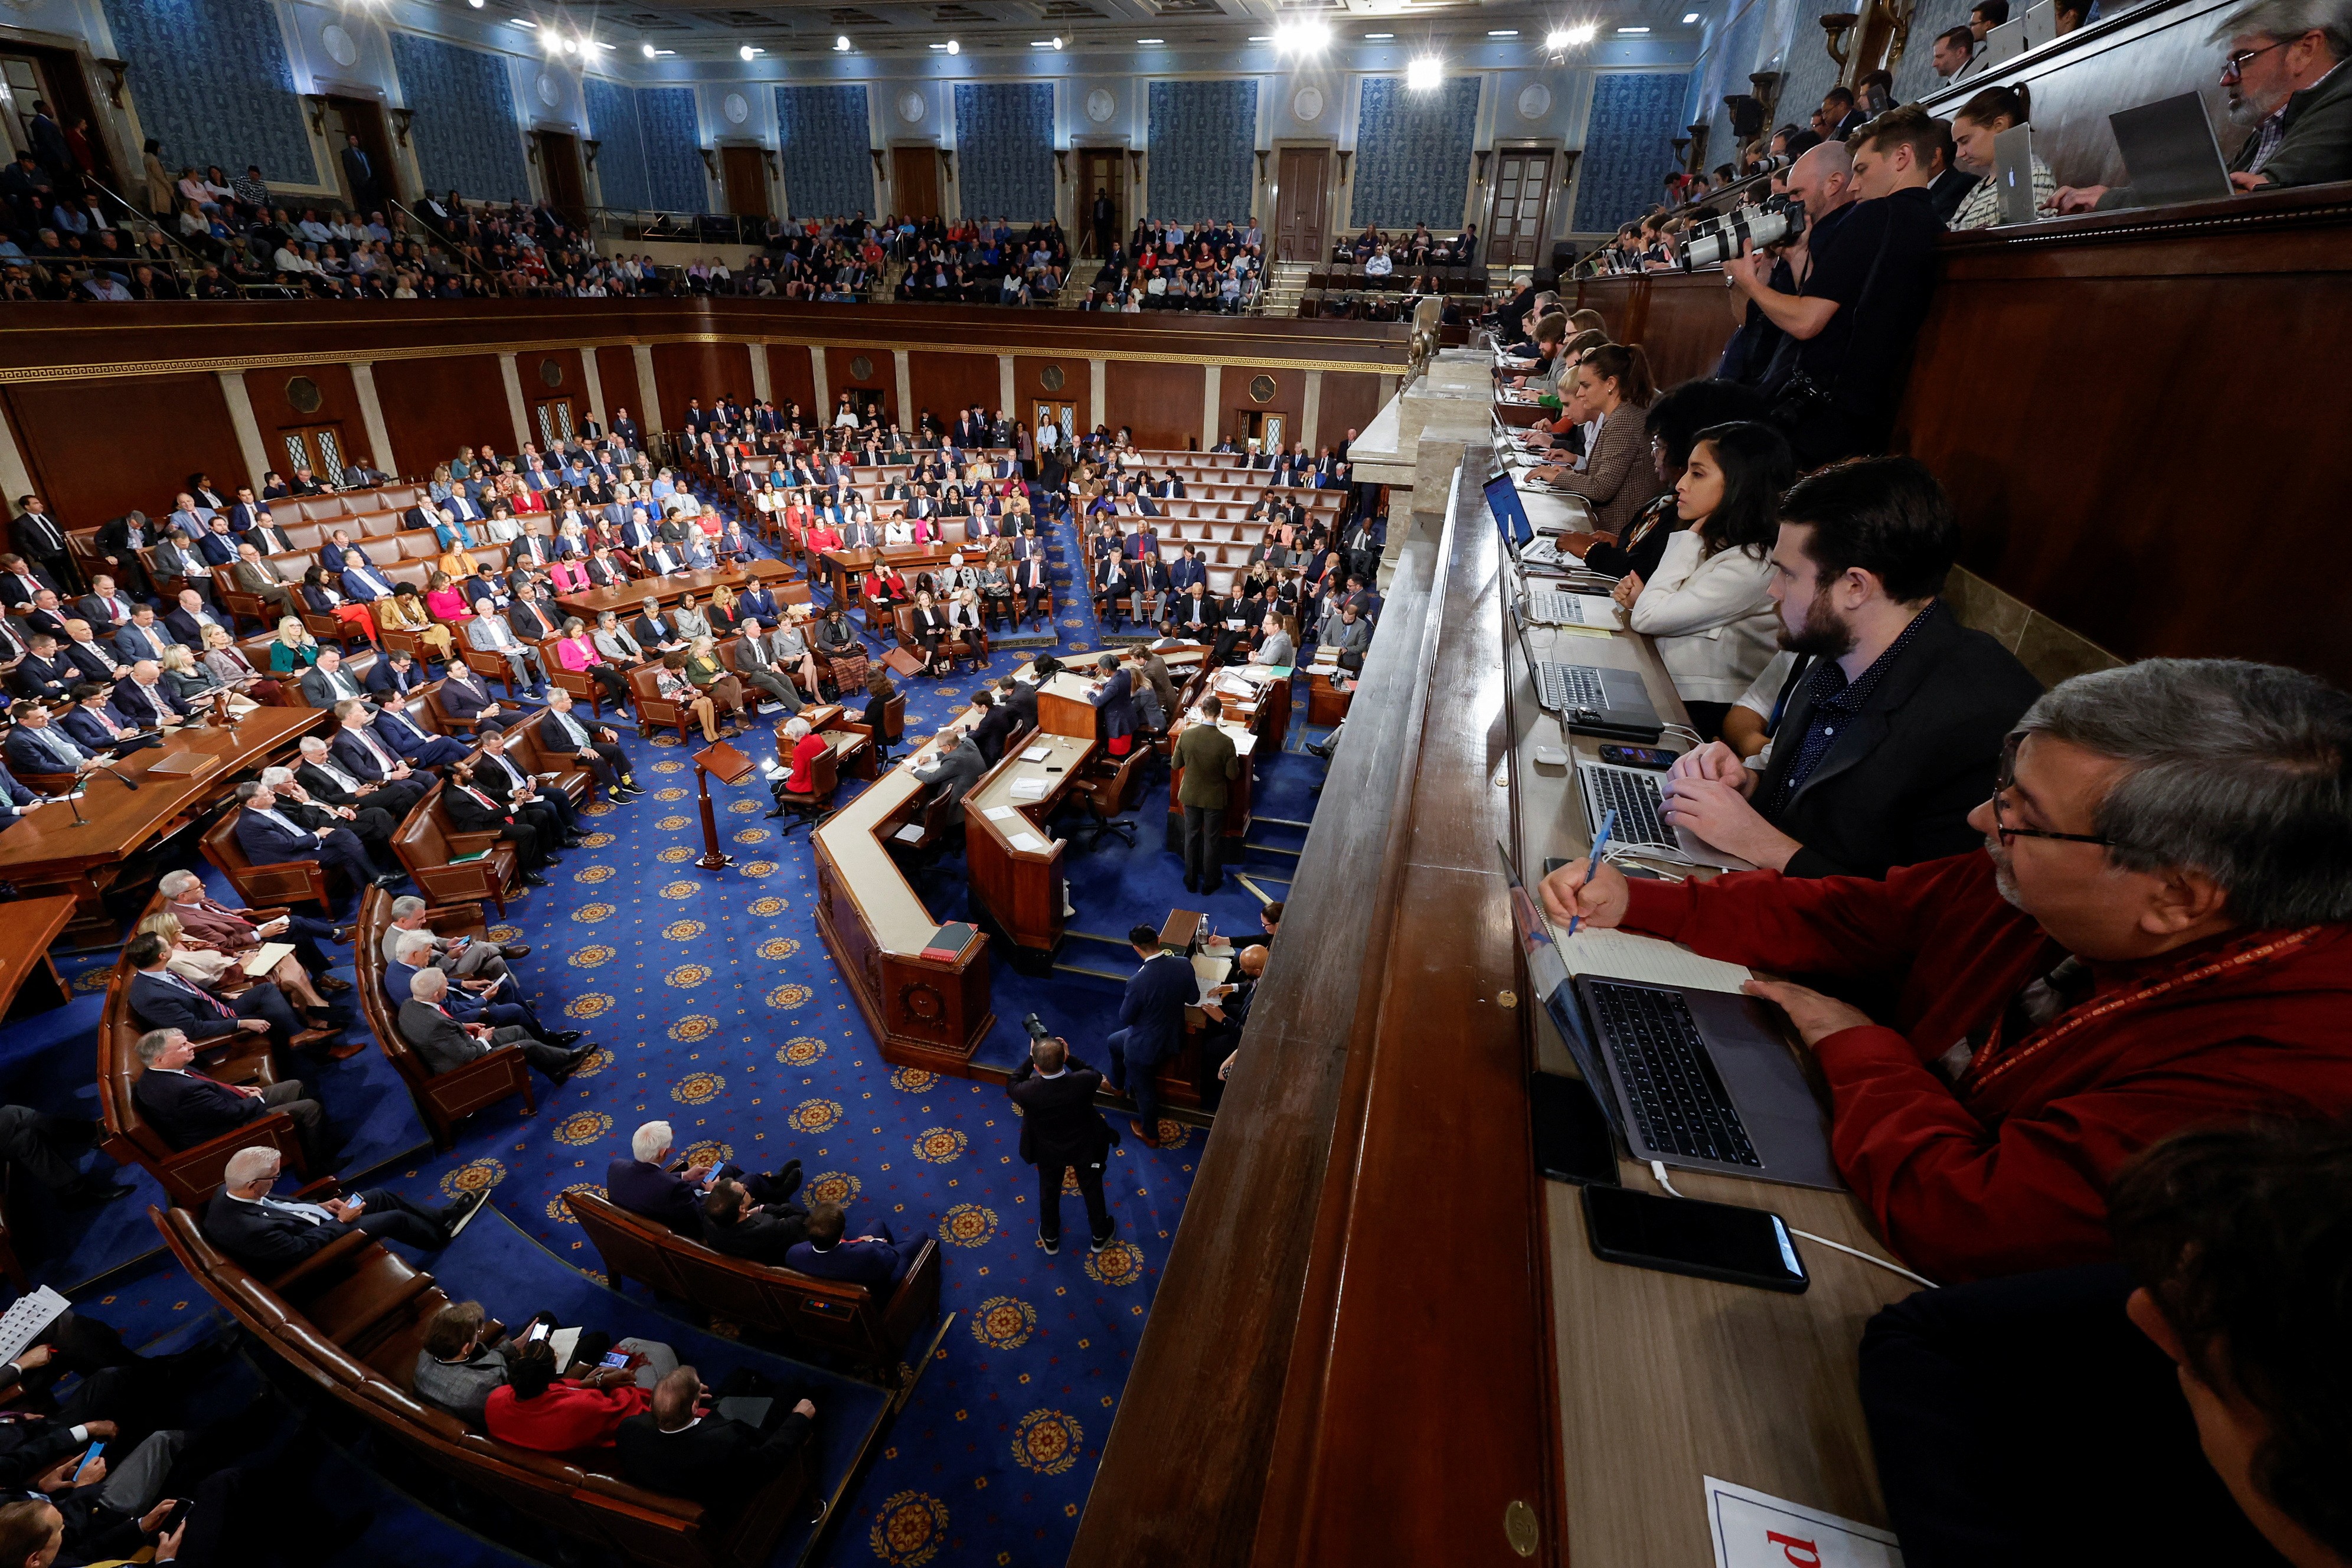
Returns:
(1690,1235)
(1638,757)
(539,1330)
(178,1516)
(86,1461)
(617,1358)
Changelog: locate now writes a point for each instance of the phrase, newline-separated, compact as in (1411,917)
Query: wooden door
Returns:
(318,448)
(1302,205)
(554,419)
(1063,417)
(1522,204)
(744,170)
(31,72)
(915,182)
(1102,169)
(560,172)
(364,118)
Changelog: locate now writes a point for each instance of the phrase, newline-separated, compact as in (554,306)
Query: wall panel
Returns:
(1629,147)
(822,135)
(1234,383)
(621,145)
(214,85)
(1349,401)
(271,393)
(71,436)
(616,370)
(704,371)
(945,382)
(791,378)
(1005,147)
(881,376)
(432,406)
(1412,152)
(1160,403)
(465,131)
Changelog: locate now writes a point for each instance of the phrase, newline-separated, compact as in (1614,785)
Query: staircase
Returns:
(1285,282)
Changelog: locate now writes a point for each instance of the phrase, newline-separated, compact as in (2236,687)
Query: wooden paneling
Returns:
(565,379)
(944,383)
(93,449)
(1160,403)
(434,406)
(881,376)
(1029,384)
(616,372)
(1290,398)
(274,409)
(704,371)
(791,378)
(1351,399)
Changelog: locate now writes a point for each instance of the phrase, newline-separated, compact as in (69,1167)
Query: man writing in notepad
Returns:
(2154,935)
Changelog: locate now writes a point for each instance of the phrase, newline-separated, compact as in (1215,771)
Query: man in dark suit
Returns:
(164,1000)
(37,538)
(37,745)
(873,1259)
(544,801)
(22,582)
(395,729)
(102,606)
(1897,732)
(594,747)
(683,1448)
(473,809)
(271,1235)
(327,780)
(1032,585)
(141,701)
(394,675)
(327,682)
(651,1184)
(735,1223)
(269,835)
(187,1107)
(1062,1131)
(143,637)
(95,660)
(998,724)
(444,1042)
(958,767)
(1151,1020)
(465,696)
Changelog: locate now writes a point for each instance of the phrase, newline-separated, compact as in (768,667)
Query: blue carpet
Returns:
(715,1006)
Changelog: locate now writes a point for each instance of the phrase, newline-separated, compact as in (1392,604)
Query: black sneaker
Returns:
(1053,1245)
(455,1218)
(1097,1243)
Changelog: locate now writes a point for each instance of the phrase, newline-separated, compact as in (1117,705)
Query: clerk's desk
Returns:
(1664,1380)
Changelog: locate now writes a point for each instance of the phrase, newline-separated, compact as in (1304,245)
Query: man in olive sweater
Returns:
(1205,756)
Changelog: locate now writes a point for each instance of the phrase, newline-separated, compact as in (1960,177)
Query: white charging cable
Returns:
(1658,1170)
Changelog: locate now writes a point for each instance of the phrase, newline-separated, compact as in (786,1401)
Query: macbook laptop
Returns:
(2012,175)
(1591,700)
(1510,515)
(2004,43)
(2169,152)
(2041,24)
(1697,1079)
(1634,795)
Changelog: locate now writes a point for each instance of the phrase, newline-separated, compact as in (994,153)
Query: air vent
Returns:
(738,18)
(1070,11)
(1188,8)
(959,13)
(851,16)
(653,22)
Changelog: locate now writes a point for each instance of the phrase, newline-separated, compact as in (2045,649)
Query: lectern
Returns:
(731,767)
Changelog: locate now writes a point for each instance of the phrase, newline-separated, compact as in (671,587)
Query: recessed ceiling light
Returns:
(1261,38)
(1380,34)
(748,52)
(1502,32)
(1301,37)
(954,47)
(1150,40)
(476,4)
(841,43)
(1688,17)
(1423,73)
(1045,43)
(521,22)
(1633,29)
(1584,32)
(647,50)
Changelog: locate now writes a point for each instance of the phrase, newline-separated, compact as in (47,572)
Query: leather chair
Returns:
(816,804)
(655,711)
(425,845)
(259,887)
(443,1100)
(1105,795)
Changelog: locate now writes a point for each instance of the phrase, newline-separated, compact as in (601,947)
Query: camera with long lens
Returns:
(1036,1026)
(1780,218)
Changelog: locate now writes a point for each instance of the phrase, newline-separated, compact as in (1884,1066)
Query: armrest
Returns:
(456,918)
(334,1252)
(467,843)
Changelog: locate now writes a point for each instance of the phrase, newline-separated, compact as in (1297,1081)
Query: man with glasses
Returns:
(2284,86)
(1890,736)
(2156,935)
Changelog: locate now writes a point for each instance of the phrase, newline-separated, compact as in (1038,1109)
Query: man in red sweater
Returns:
(2156,935)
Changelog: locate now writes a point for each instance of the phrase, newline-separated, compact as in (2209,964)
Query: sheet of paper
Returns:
(1037,754)
(1627,955)
(1208,972)
(1028,841)
(1756,1530)
(266,957)
(1244,740)
(1000,813)
(25,1318)
(563,1341)
(912,833)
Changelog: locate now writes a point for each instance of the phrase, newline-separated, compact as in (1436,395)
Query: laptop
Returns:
(1551,608)
(1697,1079)
(2169,152)
(1510,515)
(2004,43)
(1590,699)
(2041,24)
(2012,175)
(1634,795)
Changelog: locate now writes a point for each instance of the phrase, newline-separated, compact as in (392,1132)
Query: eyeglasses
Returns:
(2004,781)
(2233,67)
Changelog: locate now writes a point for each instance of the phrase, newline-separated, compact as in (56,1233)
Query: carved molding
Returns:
(1837,25)
(402,118)
(588,149)
(709,161)
(117,71)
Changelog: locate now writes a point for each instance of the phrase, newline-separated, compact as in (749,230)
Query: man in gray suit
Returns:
(256,574)
(959,767)
(756,664)
(488,632)
(327,682)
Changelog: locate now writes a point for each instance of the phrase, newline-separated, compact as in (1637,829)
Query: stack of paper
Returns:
(1037,754)
(1000,813)
(1027,841)
(1627,955)
(1028,789)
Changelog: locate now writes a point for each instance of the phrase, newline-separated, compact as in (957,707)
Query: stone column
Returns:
(372,416)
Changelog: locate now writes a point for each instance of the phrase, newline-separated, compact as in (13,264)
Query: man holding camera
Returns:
(1060,1130)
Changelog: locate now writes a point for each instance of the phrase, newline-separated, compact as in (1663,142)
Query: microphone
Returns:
(127,781)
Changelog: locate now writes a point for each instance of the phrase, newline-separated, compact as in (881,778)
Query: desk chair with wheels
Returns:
(1105,795)
(815,806)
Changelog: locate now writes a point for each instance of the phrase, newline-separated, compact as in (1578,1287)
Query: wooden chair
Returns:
(443,1100)
(654,710)
(282,882)
(816,804)
(190,1175)
(426,844)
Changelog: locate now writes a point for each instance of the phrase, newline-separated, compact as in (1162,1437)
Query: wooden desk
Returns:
(1267,721)
(33,924)
(1020,887)
(841,567)
(49,853)
(628,599)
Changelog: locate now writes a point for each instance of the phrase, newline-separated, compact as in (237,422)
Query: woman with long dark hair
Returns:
(1613,385)
(1709,606)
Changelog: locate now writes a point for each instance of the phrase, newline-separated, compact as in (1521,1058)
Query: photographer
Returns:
(1820,185)
(1855,315)
(1060,1130)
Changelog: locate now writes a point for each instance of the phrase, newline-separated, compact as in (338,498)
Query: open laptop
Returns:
(1590,699)
(1633,793)
(2041,24)
(1510,514)
(1697,1079)
(2012,175)
(2170,155)
(2004,43)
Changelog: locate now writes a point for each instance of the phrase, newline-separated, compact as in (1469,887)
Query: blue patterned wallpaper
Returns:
(1203,135)
(212,84)
(1916,77)
(1412,152)
(676,178)
(621,145)
(826,138)
(1811,70)
(1740,49)
(1005,150)
(1628,146)
(465,131)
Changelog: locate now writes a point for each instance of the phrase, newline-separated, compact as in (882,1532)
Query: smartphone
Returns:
(178,1516)
(1638,757)
(617,1358)
(1690,1235)
(539,1332)
(86,1461)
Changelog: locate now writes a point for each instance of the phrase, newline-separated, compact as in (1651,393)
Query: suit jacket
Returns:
(1115,702)
(160,1003)
(318,693)
(14,590)
(1151,1010)
(716,1462)
(84,726)
(187,1109)
(993,731)
(1899,780)
(36,535)
(264,1241)
(764,1235)
(103,615)
(267,843)
(532,621)
(1058,1119)
(132,644)
(257,577)
(876,1265)
(657,1192)
(467,815)
(26,750)
(958,769)
(145,708)
(464,698)
(439,1040)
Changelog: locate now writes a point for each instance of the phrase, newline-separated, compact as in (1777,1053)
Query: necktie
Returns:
(206,997)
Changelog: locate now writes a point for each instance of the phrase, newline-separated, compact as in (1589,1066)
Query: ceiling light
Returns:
(1688,17)
(1303,37)
(1584,33)
(1502,32)
(1057,43)
(841,43)
(1150,40)
(645,49)
(570,46)
(748,52)
(1045,43)
(954,47)
(521,22)
(1261,38)
(476,4)
(1633,29)
(1380,34)
(1423,73)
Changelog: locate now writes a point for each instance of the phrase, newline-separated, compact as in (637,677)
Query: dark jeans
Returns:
(390,1218)
(1090,1188)
(1145,1089)
(1205,828)
(2026,1422)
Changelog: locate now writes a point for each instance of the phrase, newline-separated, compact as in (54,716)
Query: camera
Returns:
(1036,1026)
(1777,219)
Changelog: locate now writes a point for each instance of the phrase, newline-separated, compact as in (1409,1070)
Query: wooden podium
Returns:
(1065,706)
(732,768)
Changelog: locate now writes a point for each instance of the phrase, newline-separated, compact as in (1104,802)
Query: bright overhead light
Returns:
(1261,38)
(1150,40)
(748,52)
(1045,43)
(1380,34)
(954,47)
(1058,42)
(841,43)
(1423,73)
(1688,17)
(647,49)
(1303,37)
(1584,33)
(1502,32)
(570,46)
(476,4)
(1633,29)
(521,22)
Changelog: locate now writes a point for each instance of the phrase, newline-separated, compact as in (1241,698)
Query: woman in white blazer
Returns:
(1709,604)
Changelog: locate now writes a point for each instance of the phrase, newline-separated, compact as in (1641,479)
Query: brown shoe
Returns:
(515,950)
(1151,1139)
(330,985)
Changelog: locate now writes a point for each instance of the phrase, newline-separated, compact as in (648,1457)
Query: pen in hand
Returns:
(1592,866)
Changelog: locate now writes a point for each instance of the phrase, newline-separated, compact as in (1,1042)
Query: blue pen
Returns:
(1600,842)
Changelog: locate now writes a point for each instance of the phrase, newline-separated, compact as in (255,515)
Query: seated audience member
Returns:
(443,1041)
(2224,1328)
(1673,423)
(1894,736)
(270,835)
(234,929)
(163,998)
(462,1361)
(1980,120)
(736,1224)
(187,1107)
(684,1447)
(271,1235)
(535,1408)
(873,1259)
(2125,958)
(2281,74)
(1710,606)
(673,1193)
(1618,479)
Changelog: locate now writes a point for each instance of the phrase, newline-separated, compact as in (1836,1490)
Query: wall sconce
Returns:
(1344,158)
(1837,25)
(1479,178)
(317,105)
(1568,166)
(116,71)
(590,150)
(948,159)
(1061,167)
(1767,90)
(401,119)
(880,172)
(709,161)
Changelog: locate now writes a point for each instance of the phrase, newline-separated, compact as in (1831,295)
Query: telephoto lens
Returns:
(1036,1028)
(1777,220)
